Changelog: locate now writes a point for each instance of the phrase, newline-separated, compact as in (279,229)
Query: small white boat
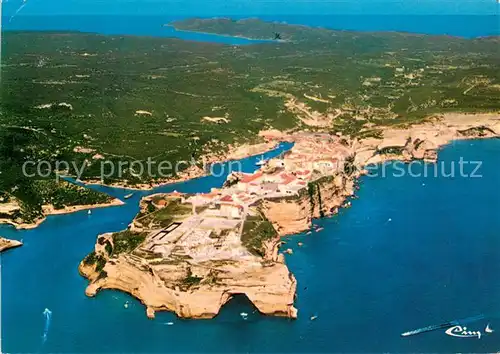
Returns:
(128,196)
(89,212)
(261,162)
(488,329)
(244,315)
(314,317)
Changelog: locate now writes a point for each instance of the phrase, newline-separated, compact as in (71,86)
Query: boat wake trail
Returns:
(472,319)
(48,317)
(18,10)
(443,325)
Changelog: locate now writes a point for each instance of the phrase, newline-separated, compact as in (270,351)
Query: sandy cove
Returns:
(266,280)
(50,210)
(6,244)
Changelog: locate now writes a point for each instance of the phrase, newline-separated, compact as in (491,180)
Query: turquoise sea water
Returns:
(411,252)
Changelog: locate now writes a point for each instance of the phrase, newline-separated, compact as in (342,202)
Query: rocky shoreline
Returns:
(422,141)
(50,210)
(292,216)
(6,244)
(187,273)
(194,285)
(236,152)
(418,142)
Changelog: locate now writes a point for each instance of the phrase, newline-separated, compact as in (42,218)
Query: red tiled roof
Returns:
(250,178)
(302,173)
(286,178)
(207,195)
(239,206)
(227,198)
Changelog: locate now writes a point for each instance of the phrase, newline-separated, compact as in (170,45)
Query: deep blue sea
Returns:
(410,252)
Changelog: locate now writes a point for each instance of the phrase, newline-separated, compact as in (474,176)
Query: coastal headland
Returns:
(184,255)
(13,211)
(6,244)
(190,253)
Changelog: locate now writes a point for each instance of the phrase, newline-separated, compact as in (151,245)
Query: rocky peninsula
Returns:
(190,253)
(6,244)
(422,140)
(10,212)
(191,259)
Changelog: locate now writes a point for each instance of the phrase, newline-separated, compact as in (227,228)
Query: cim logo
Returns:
(462,332)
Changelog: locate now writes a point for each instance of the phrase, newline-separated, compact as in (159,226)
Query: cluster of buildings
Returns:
(313,156)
